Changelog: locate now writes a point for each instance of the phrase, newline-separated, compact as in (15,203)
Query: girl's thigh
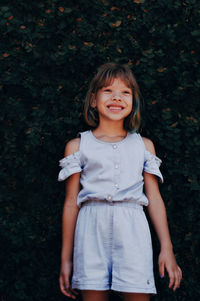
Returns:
(135,297)
(91,295)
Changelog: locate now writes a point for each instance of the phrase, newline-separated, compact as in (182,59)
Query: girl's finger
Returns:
(64,286)
(71,291)
(180,272)
(61,282)
(67,286)
(162,269)
(177,281)
(64,291)
(67,293)
(172,279)
(180,275)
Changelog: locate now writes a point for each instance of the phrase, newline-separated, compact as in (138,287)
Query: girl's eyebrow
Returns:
(106,87)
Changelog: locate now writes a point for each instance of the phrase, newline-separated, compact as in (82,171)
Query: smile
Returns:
(115,108)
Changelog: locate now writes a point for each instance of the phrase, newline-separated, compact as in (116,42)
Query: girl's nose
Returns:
(116,96)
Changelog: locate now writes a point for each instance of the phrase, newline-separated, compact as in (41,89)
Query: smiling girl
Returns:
(111,174)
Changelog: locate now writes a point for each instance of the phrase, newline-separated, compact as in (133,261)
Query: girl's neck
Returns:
(110,130)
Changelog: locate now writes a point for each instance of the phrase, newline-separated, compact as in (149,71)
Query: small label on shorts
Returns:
(148,281)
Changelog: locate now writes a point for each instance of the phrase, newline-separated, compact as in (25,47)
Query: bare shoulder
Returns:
(72,146)
(149,145)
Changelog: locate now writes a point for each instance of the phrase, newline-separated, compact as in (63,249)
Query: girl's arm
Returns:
(70,213)
(157,213)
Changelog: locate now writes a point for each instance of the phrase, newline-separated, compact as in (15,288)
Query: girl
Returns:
(105,231)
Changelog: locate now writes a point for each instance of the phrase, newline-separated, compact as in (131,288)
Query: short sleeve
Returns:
(70,164)
(152,164)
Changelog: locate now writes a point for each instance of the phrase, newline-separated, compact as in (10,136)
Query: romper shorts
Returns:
(113,248)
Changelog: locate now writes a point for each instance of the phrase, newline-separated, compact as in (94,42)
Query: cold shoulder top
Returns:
(111,171)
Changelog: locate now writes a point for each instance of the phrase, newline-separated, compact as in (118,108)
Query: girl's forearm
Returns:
(70,214)
(157,212)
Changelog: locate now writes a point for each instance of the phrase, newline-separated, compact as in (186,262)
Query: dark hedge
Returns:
(49,50)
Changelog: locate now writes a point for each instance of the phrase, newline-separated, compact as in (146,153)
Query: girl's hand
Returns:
(64,281)
(167,261)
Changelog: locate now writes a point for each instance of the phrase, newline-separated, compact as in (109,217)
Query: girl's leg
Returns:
(135,297)
(91,295)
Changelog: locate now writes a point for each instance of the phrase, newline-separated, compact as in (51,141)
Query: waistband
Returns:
(132,204)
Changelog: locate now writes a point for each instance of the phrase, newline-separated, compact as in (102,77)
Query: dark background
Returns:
(49,51)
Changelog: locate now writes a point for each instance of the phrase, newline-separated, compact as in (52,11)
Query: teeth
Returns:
(115,108)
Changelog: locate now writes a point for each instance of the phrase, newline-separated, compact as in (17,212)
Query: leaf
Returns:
(116,24)
(161,69)
(138,1)
(89,44)
(61,9)
(5,54)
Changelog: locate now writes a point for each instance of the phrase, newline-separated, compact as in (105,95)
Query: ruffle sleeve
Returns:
(70,165)
(152,164)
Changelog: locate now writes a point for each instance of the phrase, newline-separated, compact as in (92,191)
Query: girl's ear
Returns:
(93,102)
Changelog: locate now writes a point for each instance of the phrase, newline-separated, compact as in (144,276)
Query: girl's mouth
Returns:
(115,108)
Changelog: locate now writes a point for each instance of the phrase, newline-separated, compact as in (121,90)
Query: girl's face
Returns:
(114,102)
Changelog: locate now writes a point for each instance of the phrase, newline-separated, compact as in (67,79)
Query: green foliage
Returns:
(49,51)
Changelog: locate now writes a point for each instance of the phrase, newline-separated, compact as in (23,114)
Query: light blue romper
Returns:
(112,242)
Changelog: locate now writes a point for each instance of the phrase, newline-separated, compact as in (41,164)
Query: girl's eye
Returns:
(126,92)
(107,90)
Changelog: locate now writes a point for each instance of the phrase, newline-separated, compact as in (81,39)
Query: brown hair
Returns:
(105,75)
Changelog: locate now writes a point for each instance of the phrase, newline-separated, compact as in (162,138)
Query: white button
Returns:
(114,146)
(116,185)
(109,197)
(116,166)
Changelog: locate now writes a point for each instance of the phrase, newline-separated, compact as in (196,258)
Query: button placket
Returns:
(116,166)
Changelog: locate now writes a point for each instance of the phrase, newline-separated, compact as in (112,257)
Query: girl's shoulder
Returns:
(72,146)
(75,144)
(149,145)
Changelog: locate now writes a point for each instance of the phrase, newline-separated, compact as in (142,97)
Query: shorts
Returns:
(113,248)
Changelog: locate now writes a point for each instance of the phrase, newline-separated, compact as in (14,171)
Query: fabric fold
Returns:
(70,165)
(152,164)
